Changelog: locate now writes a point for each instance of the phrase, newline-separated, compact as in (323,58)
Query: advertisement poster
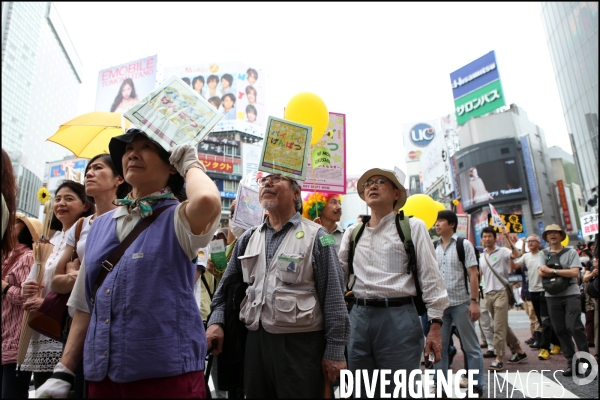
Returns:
(174,114)
(481,218)
(248,211)
(285,148)
(330,178)
(250,159)
(462,228)
(123,86)
(56,171)
(235,89)
(489,182)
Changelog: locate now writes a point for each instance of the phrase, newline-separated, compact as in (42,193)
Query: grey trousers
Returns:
(385,338)
(565,314)
(286,365)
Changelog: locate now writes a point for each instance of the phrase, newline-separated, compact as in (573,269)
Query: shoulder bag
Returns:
(51,317)
(509,293)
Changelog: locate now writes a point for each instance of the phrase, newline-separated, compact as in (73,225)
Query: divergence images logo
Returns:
(422,134)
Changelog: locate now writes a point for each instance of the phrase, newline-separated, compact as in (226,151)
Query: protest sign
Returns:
(248,211)
(330,178)
(496,219)
(174,114)
(589,223)
(285,148)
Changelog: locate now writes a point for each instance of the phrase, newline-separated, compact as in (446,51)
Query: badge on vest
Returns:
(327,240)
(137,255)
(299,235)
(287,264)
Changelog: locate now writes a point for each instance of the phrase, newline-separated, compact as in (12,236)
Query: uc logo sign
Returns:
(422,134)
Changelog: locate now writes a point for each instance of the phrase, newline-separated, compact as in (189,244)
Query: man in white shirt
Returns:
(386,329)
(498,259)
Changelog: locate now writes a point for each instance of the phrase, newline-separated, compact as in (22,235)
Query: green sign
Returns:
(479,102)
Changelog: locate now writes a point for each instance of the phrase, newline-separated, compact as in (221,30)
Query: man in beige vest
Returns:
(294,307)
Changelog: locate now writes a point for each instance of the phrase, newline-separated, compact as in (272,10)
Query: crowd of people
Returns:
(297,299)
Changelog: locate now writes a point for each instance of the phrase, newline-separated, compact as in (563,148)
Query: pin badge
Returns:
(299,235)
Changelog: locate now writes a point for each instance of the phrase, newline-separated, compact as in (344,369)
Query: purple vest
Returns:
(146,323)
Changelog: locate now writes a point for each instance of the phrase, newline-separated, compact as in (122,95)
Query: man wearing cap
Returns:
(564,307)
(294,306)
(386,329)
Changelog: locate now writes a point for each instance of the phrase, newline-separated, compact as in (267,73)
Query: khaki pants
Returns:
(534,325)
(497,305)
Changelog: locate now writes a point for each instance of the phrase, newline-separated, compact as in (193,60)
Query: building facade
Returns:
(571,30)
(41,76)
(504,161)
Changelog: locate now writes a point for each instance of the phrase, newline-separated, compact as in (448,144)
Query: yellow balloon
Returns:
(423,207)
(308,109)
(440,206)
(565,242)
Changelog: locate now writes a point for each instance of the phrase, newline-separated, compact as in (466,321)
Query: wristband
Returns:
(6,289)
(475,300)
(436,321)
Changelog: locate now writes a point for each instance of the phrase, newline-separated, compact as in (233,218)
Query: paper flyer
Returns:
(285,148)
(217,254)
(330,178)
(174,114)
(248,211)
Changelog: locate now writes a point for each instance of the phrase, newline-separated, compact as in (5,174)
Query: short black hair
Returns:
(228,78)
(488,229)
(450,217)
(230,95)
(212,78)
(186,80)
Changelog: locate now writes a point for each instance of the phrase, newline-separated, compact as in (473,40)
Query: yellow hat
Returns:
(33,224)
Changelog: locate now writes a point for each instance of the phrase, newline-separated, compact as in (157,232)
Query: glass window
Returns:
(585,75)
(237,168)
(592,95)
(566,90)
(238,151)
(559,45)
(567,39)
(578,78)
(551,15)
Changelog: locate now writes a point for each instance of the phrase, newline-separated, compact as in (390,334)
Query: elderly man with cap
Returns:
(386,329)
(564,307)
(294,306)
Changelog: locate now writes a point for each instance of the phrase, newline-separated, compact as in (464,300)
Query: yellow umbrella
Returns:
(89,134)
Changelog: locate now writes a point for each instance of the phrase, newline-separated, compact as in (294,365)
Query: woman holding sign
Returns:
(136,310)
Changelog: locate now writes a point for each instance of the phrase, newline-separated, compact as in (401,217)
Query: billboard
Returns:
(235,89)
(435,163)
(121,87)
(476,88)
(564,206)
(481,218)
(56,171)
(417,136)
(534,192)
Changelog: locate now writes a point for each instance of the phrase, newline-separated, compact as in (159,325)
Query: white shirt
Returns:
(499,259)
(533,262)
(189,242)
(381,265)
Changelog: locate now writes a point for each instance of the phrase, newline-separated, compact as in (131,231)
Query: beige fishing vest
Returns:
(282,297)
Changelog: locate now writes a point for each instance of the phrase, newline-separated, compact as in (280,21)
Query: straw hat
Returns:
(555,228)
(391,175)
(33,224)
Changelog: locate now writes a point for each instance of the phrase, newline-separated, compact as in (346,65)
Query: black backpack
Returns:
(460,249)
(403,228)
(555,284)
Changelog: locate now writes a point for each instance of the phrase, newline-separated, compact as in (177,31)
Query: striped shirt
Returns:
(14,271)
(453,271)
(381,265)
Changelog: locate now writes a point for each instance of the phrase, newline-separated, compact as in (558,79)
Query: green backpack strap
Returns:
(356,233)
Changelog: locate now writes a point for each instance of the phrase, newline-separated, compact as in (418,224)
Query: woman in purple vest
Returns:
(143,334)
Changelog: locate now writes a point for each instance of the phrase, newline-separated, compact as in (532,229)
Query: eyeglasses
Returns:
(274,179)
(378,182)
(532,241)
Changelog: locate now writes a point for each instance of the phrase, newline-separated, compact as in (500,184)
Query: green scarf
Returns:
(145,203)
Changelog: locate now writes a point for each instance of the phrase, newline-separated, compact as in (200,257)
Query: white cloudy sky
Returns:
(382,64)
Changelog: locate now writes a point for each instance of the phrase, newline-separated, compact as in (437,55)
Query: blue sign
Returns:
(228,195)
(541,231)
(579,235)
(536,201)
(422,134)
(474,75)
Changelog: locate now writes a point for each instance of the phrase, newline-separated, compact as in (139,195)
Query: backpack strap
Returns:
(460,250)
(356,234)
(403,228)
(78,229)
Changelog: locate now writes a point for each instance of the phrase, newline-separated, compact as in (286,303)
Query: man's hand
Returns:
(332,368)
(215,337)
(474,312)
(434,342)
(32,305)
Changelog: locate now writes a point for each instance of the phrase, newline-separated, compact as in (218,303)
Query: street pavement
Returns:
(530,378)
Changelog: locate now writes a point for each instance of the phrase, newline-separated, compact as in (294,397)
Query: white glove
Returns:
(183,156)
(55,387)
